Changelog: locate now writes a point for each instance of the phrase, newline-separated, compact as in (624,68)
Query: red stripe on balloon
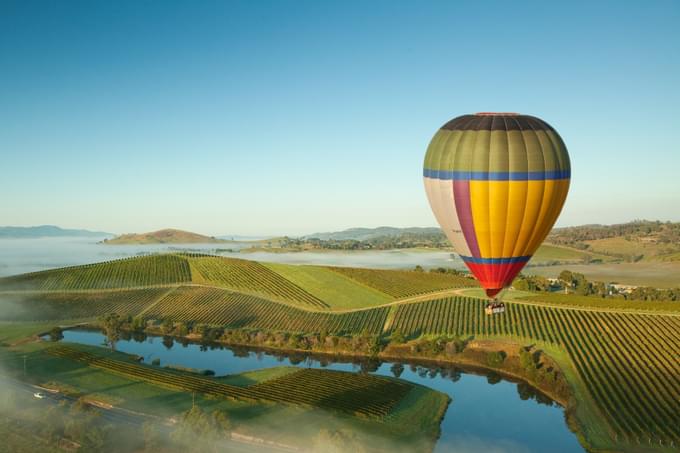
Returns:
(461,197)
(495,276)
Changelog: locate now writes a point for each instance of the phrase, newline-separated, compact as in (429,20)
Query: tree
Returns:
(197,426)
(322,336)
(495,358)
(203,330)
(112,324)
(56,334)
(138,323)
(526,359)
(397,337)
(168,326)
(566,277)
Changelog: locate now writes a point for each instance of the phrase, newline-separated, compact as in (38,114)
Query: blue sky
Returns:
(293,117)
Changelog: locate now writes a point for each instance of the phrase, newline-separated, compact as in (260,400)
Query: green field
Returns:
(622,365)
(337,290)
(402,284)
(548,253)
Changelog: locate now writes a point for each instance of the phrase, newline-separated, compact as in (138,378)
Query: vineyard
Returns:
(250,277)
(42,306)
(628,362)
(230,309)
(365,395)
(401,284)
(154,270)
(574,300)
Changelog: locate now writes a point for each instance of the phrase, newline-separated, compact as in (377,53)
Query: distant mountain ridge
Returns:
(365,234)
(166,236)
(41,231)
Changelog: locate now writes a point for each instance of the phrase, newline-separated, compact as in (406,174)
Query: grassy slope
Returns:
(11,332)
(338,291)
(571,300)
(647,273)
(552,252)
(652,251)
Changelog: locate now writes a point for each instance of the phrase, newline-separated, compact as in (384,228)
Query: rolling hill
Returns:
(166,236)
(44,231)
(619,360)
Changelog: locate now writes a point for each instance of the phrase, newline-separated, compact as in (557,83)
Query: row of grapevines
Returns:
(152,270)
(252,277)
(42,306)
(366,395)
(226,308)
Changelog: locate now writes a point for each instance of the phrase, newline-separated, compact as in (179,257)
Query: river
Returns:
(487,413)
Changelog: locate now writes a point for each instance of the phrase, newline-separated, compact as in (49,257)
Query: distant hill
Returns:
(167,236)
(365,234)
(634,241)
(42,231)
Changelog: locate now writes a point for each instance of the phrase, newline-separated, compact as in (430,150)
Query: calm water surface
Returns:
(491,418)
(18,256)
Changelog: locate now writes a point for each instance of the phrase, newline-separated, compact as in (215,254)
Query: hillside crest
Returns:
(165,236)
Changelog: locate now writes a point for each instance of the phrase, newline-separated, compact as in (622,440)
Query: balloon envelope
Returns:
(496,183)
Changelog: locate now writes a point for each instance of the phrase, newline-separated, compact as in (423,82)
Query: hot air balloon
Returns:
(496,183)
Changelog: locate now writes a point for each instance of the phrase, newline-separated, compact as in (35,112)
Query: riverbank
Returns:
(541,375)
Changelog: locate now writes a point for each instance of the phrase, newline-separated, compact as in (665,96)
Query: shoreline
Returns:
(465,363)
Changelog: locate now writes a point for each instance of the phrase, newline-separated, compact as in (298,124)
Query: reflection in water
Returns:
(488,413)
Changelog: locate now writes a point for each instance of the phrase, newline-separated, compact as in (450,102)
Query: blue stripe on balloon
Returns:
(510,260)
(497,175)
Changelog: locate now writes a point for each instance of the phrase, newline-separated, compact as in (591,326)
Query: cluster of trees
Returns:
(577,283)
(198,430)
(533,367)
(442,270)
(76,422)
(401,241)
(665,232)
(363,343)
(432,346)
